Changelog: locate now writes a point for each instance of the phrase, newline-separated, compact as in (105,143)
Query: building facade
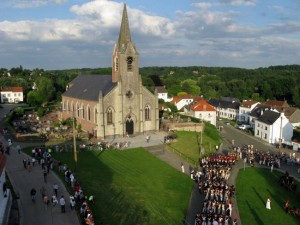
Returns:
(116,104)
(11,95)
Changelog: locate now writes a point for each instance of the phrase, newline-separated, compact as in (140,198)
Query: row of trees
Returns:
(275,82)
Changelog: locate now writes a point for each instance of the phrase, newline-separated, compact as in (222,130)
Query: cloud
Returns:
(23,4)
(209,34)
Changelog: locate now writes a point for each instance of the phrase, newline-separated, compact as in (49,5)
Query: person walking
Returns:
(19,149)
(62,203)
(268,204)
(182,168)
(46,201)
(32,194)
(55,189)
(45,176)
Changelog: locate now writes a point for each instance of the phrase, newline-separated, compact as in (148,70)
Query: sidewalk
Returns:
(23,181)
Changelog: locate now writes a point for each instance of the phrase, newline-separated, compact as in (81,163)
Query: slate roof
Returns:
(259,110)
(224,104)
(87,87)
(269,117)
(161,89)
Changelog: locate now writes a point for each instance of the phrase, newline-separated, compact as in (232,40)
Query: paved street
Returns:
(23,181)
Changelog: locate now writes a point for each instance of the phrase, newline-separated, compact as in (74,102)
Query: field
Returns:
(132,187)
(189,143)
(254,185)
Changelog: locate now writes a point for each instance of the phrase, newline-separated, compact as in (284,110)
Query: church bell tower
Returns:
(125,58)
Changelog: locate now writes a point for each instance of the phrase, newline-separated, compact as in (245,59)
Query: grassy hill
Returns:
(132,187)
(254,185)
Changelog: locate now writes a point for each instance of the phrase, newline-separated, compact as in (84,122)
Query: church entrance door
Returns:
(129,126)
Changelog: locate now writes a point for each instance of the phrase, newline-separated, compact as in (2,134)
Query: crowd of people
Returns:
(212,183)
(78,200)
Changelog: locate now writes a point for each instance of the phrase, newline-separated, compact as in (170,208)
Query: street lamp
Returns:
(74,135)
(74,139)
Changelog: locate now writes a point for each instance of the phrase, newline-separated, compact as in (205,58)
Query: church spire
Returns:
(124,36)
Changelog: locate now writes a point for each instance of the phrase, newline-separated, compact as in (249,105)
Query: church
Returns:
(116,104)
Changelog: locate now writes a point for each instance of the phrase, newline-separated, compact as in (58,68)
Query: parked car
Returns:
(244,127)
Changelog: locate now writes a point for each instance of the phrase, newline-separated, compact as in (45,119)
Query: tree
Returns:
(190,86)
(45,88)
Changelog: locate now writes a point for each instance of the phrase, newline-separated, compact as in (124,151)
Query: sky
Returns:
(68,34)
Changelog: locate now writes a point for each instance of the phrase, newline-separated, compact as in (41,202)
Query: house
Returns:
(116,104)
(182,100)
(292,113)
(273,127)
(226,107)
(245,109)
(11,94)
(162,93)
(202,110)
(255,113)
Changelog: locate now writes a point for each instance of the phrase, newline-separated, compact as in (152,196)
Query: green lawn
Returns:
(254,185)
(189,143)
(132,187)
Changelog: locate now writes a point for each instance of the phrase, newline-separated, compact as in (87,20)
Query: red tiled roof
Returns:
(12,89)
(180,97)
(275,103)
(248,103)
(202,105)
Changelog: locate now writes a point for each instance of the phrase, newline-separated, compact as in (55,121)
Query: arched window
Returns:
(82,109)
(77,109)
(116,63)
(129,63)
(147,112)
(63,105)
(88,113)
(95,115)
(109,116)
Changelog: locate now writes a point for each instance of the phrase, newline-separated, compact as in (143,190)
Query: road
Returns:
(232,135)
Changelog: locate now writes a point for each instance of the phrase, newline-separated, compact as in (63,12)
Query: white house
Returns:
(162,93)
(226,107)
(273,127)
(11,94)
(245,109)
(204,111)
(182,100)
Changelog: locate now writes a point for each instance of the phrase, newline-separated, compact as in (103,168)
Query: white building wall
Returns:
(209,116)
(183,102)
(11,97)
(272,134)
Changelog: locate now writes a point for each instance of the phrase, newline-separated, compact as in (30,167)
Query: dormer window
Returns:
(129,63)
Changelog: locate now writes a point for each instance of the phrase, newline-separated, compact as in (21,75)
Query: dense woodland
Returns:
(274,82)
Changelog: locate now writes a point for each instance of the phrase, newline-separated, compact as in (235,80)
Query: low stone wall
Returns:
(188,126)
